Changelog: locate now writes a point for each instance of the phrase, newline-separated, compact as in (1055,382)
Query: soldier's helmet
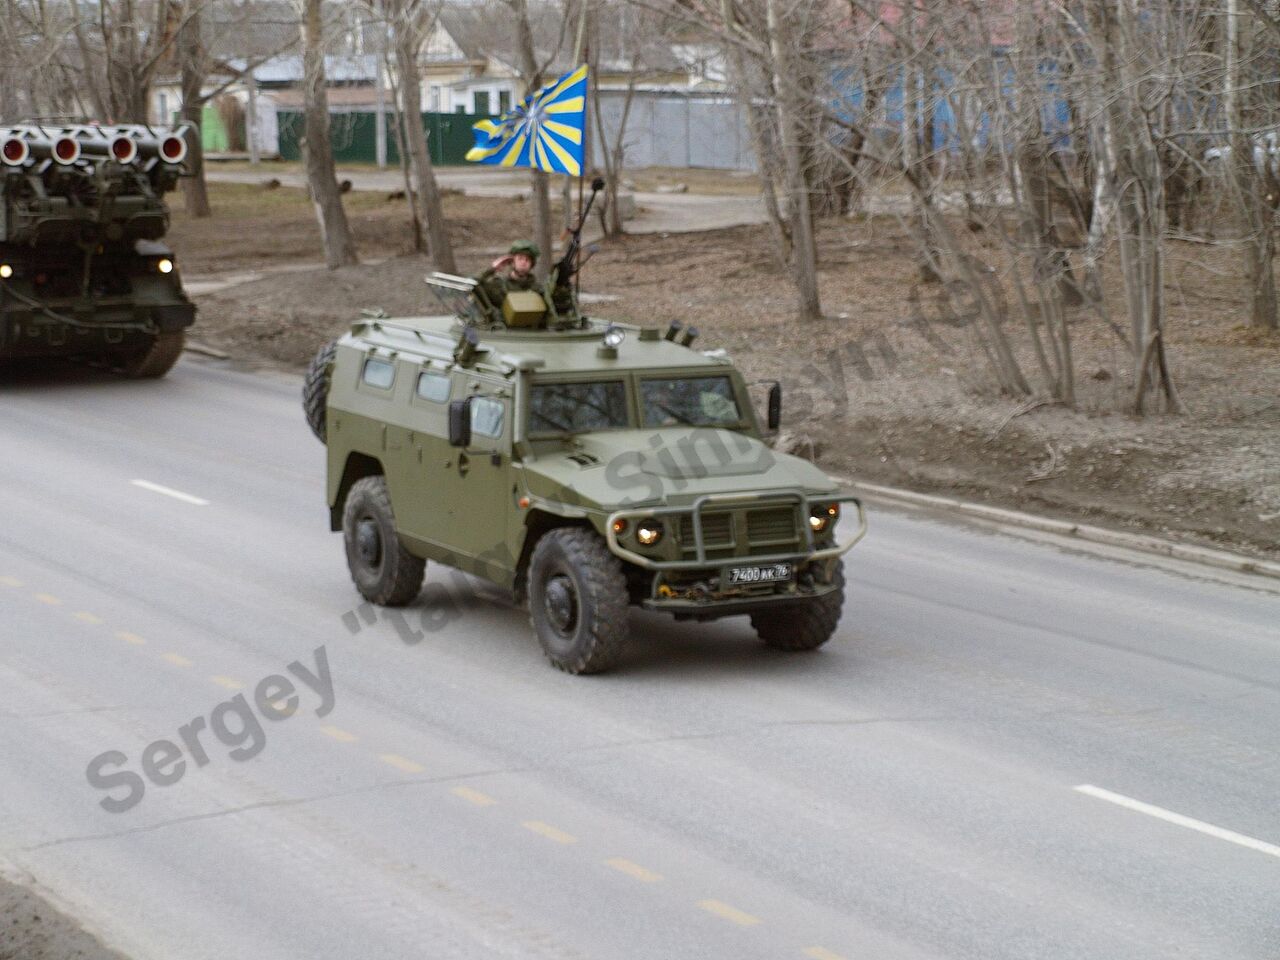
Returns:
(527,247)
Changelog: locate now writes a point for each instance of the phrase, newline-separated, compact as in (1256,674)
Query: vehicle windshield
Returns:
(692,401)
(577,407)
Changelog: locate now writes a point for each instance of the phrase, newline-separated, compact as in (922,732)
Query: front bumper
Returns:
(809,553)
(699,588)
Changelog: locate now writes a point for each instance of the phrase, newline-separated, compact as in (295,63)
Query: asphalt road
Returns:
(913,790)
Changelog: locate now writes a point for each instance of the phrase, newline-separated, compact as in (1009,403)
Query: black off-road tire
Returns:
(382,570)
(315,389)
(806,625)
(573,566)
(155,359)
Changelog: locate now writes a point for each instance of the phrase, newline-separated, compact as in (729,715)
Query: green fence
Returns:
(354,136)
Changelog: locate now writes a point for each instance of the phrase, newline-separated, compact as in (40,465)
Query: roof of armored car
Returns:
(545,351)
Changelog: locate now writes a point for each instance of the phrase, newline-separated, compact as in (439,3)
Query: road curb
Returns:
(1142,543)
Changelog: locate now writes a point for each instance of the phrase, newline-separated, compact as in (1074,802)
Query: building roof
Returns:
(486,31)
(337,69)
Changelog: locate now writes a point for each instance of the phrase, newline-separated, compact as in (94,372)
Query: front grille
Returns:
(775,525)
(746,532)
(717,530)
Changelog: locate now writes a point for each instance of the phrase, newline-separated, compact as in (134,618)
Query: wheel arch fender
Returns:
(538,523)
(357,467)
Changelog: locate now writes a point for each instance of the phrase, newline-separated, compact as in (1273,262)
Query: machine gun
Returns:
(567,266)
(83,270)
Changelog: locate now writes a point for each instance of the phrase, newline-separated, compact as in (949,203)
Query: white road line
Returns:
(170,492)
(1169,816)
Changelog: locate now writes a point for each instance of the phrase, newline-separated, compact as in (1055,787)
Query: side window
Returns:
(433,387)
(379,373)
(487,416)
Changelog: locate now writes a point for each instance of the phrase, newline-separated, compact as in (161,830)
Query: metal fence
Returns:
(666,129)
(354,135)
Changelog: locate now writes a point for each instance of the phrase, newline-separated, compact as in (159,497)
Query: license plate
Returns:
(764,573)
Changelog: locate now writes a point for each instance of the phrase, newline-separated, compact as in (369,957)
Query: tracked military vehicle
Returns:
(587,466)
(83,269)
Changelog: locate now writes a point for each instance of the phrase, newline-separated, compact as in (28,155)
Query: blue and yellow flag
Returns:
(544,132)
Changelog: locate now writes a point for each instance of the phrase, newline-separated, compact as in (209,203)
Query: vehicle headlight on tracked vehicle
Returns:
(613,337)
(164,265)
(648,532)
(6,271)
(821,516)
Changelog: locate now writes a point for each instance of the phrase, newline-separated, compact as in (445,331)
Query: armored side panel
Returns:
(83,267)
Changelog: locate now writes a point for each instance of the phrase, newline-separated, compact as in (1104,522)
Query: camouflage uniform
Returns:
(497,286)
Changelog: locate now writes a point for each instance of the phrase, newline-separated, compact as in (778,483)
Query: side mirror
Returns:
(460,423)
(775,406)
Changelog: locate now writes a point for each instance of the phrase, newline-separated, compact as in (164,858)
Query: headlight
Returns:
(165,265)
(821,517)
(613,337)
(649,532)
(620,526)
(6,271)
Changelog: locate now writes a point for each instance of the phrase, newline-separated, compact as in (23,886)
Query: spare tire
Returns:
(315,388)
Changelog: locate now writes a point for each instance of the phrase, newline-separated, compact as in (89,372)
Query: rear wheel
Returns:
(382,570)
(806,625)
(315,389)
(578,601)
(154,359)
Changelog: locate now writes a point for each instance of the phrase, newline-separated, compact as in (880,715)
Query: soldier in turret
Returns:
(519,262)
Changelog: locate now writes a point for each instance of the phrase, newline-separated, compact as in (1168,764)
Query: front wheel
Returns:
(806,625)
(383,571)
(578,601)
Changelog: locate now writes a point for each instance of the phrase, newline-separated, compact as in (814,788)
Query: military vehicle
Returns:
(585,465)
(83,271)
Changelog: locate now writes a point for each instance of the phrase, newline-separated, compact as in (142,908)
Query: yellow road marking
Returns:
(84,617)
(48,598)
(10,582)
(474,796)
(338,734)
(548,831)
(127,637)
(822,953)
(401,763)
(726,912)
(634,870)
(229,682)
(177,659)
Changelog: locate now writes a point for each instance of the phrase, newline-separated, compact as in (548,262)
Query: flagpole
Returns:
(586,155)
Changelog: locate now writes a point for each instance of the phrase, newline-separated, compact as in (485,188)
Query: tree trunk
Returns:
(532,79)
(1255,212)
(804,255)
(195,191)
(335,233)
(430,208)
(766,158)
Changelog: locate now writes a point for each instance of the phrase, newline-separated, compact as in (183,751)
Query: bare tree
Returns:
(410,22)
(1249,95)
(339,247)
(191,58)
(531,77)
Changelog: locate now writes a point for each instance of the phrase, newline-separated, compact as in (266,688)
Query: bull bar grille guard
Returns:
(794,498)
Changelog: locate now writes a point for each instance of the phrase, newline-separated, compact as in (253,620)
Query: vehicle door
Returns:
(466,491)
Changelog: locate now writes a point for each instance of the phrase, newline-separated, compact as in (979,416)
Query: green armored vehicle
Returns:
(587,466)
(83,271)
